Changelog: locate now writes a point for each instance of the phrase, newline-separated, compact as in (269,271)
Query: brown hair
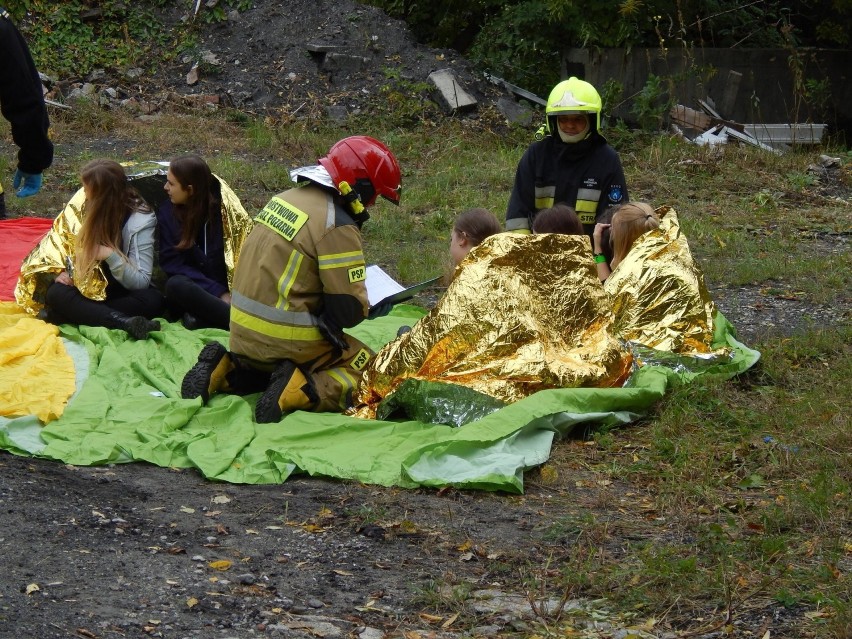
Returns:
(559,218)
(476,225)
(204,202)
(629,222)
(110,199)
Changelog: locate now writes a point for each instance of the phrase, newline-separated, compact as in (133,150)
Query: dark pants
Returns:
(185,296)
(67,305)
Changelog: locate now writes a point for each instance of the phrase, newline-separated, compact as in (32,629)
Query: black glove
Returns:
(380,310)
(332,335)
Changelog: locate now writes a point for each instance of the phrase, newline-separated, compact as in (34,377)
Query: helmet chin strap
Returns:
(573,139)
(351,197)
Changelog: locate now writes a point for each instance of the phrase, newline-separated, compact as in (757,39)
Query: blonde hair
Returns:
(109,201)
(629,222)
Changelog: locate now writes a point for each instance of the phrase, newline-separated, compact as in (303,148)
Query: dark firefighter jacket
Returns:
(586,175)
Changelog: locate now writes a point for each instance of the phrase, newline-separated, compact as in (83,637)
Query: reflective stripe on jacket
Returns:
(302,260)
(587,176)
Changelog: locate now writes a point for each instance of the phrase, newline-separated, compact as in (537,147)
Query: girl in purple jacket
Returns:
(192,245)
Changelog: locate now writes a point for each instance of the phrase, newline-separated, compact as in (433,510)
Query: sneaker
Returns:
(288,390)
(208,374)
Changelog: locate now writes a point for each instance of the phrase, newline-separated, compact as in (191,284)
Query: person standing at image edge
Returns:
(22,104)
(572,164)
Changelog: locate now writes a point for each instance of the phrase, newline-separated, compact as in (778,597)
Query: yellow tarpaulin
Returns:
(36,372)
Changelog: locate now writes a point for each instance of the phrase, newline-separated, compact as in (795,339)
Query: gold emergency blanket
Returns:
(658,293)
(523,313)
(47,259)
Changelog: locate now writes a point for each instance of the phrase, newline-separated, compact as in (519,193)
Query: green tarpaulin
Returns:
(128,408)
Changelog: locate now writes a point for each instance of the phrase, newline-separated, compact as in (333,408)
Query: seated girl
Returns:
(559,218)
(115,241)
(658,293)
(470,228)
(192,245)
(523,313)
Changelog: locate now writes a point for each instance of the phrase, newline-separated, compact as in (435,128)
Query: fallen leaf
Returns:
(32,588)
(752,481)
(187,509)
(222,564)
(430,618)
(212,513)
(816,614)
(191,602)
(221,499)
(251,531)
(343,573)
(86,633)
(833,570)
(549,475)
(449,622)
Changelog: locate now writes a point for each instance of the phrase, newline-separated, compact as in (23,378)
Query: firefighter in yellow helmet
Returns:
(573,163)
(299,282)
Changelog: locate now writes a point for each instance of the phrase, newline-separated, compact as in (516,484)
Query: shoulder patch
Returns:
(282,217)
(616,194)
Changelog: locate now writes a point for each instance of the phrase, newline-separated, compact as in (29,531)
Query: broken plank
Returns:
(516,89)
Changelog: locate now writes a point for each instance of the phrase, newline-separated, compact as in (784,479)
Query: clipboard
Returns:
(383,289)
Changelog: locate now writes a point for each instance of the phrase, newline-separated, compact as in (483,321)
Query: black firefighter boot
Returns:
(209,374)
(289,389)
(137,326)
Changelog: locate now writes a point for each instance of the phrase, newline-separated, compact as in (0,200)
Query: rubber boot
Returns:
(189,321)
(288,390)
(137,326)
(209,375)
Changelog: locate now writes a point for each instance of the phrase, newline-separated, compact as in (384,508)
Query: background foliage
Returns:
(521,40)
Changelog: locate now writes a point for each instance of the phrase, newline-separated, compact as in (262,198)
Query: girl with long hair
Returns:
(192,245)
(117,234)
(629,222)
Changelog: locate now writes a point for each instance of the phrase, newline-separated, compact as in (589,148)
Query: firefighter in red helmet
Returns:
(299,282)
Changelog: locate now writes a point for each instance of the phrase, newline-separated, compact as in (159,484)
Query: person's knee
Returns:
(176,286)
(58,294)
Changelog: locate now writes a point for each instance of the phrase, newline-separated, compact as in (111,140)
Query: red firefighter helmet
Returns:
(367,166)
